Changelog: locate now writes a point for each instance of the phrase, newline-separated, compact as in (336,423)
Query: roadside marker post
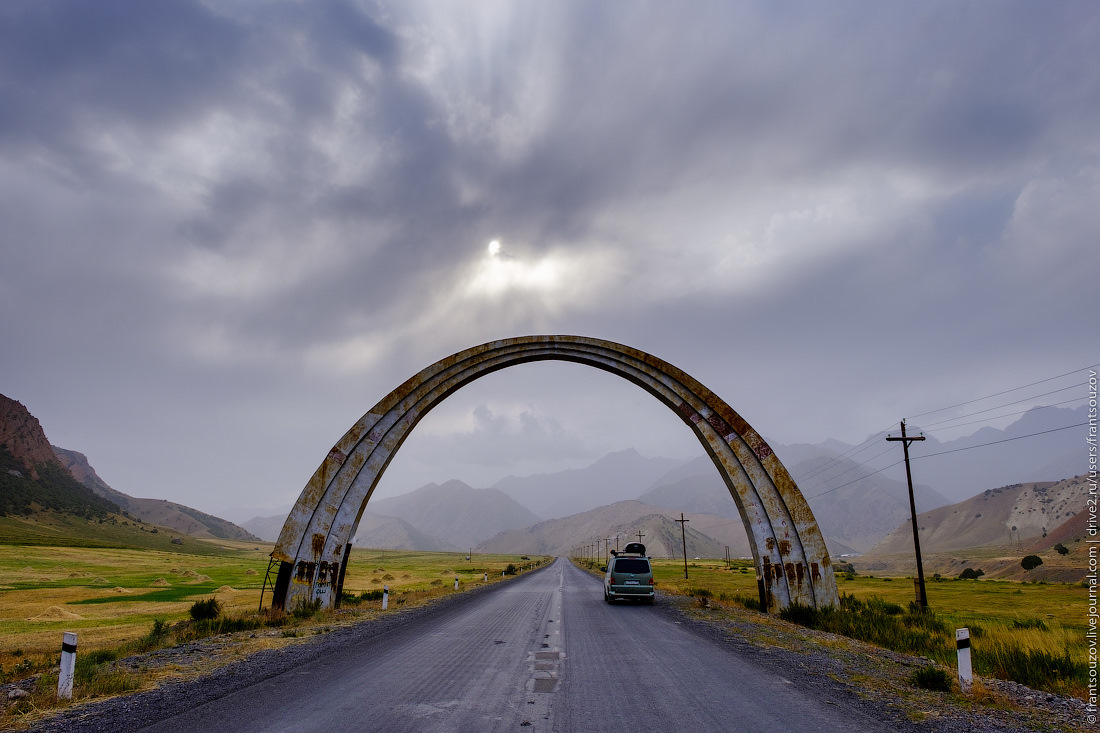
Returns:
(486,576)
(385,597)
(966,674)
(456,582)
(68,666)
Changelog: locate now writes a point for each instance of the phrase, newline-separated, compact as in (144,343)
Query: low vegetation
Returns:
(1031,633)
(123,602)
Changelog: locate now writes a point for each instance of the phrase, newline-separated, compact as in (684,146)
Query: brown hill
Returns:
(23,436)
(1002,516)
(391,533)
(64,481)
(160,512)
(1072,530)
(707,535)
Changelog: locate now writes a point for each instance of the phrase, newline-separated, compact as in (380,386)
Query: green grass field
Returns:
(1039,618)
(50,529)
(111,596)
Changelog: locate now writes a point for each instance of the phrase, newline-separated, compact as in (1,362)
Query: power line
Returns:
(1007,404)
(853,481)
(1004,440)
(998,417)
(940,453)
(856,449)
(858,465)
(998,394)
(859,448)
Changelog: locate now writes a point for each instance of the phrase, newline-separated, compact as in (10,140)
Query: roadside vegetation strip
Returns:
(1029,633)
(206,596)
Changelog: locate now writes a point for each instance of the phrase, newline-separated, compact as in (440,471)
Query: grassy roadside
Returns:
(899,657)
(1031,633)
(123,602)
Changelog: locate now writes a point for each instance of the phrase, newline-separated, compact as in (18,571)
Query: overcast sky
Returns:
(227,229)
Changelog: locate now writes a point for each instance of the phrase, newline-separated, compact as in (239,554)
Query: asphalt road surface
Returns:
(541,653)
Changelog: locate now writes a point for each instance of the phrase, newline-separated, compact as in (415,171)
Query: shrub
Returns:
(796,613)
(749,602)
(1030,562)
(205,610)
(306,609)
(971,574)
(510,570)
(1062,549)
(932,678)
(371,595)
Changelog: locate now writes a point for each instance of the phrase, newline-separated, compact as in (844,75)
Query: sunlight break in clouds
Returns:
(559,276)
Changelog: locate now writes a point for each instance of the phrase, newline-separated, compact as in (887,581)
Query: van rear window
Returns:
(631,565)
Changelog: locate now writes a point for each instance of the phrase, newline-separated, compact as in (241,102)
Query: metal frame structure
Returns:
(793,564)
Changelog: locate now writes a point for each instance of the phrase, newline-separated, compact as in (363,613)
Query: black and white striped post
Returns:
(486,576)
(456,582)
(68,666)
(966,674)
(385,597)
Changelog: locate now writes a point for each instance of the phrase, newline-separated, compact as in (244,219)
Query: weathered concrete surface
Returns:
(792,562)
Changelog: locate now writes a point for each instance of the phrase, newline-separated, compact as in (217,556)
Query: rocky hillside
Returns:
(160,512)
(1004,516)
(31,477)
(63,480)
(22,435)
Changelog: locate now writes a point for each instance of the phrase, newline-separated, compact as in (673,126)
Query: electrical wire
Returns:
(1003,392)
(941,453)
(1007,404)
(1007,414)
(995,442)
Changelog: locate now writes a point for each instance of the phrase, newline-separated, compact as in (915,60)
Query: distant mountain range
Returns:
(857,507)
(615,477)
(64,481)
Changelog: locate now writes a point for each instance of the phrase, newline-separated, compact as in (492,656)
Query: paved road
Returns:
(544,653)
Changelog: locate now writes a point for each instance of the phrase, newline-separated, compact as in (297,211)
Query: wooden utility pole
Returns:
(683,535)
(905,441)
(640,536)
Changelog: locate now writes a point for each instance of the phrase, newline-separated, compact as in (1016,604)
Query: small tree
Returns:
(1031,562)
(1062,549)
(971,574)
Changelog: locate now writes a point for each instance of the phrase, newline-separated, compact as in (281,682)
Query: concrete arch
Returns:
(792,562)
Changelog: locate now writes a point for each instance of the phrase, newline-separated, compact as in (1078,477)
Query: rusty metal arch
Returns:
(792,562)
